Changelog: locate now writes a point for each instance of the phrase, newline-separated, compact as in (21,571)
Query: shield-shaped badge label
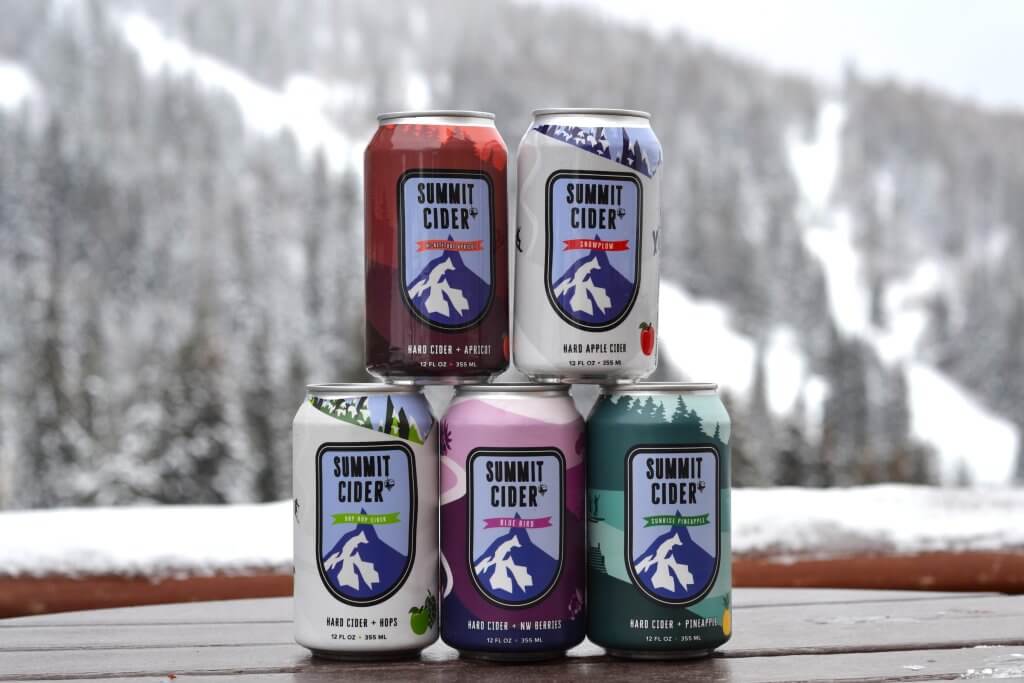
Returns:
(446,226)
(672,544)
(594,230)
(516,500)
(366,524)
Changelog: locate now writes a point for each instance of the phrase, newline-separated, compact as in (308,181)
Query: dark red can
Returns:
(436,248)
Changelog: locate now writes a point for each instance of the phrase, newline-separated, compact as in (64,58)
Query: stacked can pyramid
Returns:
(512,528)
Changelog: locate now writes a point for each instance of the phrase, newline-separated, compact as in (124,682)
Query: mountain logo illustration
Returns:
(362,566)
(513,569)
(591,290)
(448,292)
(674,567)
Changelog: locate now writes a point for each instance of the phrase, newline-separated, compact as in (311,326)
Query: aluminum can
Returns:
(365,532)
(512,529)
(587,230)
(658,489)
(436,205)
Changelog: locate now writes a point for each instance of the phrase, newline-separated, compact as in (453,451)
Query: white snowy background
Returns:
(181,245)
(178,540)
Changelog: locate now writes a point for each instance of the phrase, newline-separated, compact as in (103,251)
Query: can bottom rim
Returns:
(658,654)
(379,656)
(483,655)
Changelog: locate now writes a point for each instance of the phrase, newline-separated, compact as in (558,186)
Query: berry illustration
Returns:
(647,338)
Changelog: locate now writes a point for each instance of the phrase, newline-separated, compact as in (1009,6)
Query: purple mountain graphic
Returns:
(446,291)
(674,566)
(513,568)
(361,565)
(591,290)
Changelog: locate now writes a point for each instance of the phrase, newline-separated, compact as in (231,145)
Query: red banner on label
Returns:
(517,523)
(597,245)
(449,245)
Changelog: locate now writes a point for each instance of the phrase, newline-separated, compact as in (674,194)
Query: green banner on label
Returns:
(364,518)
(676,520)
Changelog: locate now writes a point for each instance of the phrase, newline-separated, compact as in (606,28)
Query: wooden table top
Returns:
(778,635)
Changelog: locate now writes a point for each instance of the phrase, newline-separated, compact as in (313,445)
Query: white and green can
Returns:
(365,534)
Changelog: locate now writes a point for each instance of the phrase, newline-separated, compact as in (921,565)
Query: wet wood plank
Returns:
(780,635)
(778,629)
(286,663)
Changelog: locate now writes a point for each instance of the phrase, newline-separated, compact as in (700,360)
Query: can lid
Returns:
(659,388)
(442,113)
(360,388)
(512,388)
(591,111)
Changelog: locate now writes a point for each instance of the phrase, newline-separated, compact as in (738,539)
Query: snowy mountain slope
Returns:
(944,414)
(699,341)
(18,86)
(298,109)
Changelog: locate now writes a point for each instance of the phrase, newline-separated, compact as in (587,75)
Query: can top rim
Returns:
(591,111)
(446,113)
(511,388)
(359,388)
(659,388)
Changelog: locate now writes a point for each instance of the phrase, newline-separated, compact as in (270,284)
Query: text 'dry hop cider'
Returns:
(512,525)
(365,506)
(436,254)
(659,581)
(587,231)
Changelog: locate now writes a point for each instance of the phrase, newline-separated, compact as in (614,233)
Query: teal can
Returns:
(659,584)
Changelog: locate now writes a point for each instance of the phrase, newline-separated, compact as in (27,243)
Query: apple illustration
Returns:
(647,338)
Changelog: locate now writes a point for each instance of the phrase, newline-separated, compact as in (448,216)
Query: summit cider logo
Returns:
(446,226)
(516,500)
(594,225)
(366,519)
(672,545)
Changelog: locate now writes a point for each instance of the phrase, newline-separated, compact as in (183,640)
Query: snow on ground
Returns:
(886,518)
(17,86)
(944,414)
(266,111)
(154,541)
(175,539)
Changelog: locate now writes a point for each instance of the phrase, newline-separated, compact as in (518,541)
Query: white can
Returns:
(365,470)
(587,229)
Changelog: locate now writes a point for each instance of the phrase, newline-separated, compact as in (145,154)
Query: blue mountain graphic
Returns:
(684,551)
(591,290)
(534,568)
(367,568)
(447,291)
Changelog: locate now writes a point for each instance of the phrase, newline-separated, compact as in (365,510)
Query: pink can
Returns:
(512,522)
